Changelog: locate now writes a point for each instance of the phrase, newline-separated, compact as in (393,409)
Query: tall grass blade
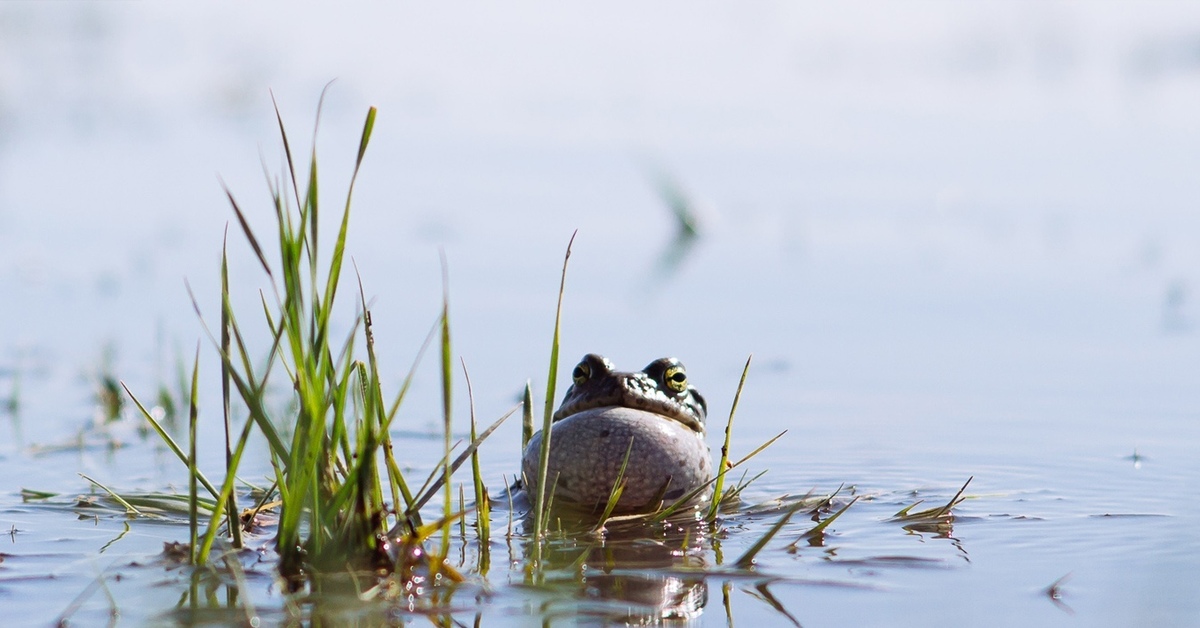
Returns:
(382,420)
(427,493)
(526,416)
(193,414)
(210,534)
(251,393)
(287,149)
(262,259)
(482,505)
(226,322)
(170,442)
(758,449)
(718,490)
(541,506)
(446,399)
(368,126)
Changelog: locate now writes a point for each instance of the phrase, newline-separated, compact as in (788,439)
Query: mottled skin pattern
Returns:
(655,415)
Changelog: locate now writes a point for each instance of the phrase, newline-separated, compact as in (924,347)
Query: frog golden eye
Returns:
(676,378)
(581,373)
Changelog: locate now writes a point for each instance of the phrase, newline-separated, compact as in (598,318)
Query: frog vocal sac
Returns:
(654,415)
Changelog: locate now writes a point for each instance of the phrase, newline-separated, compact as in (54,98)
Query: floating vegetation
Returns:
(938,520)
(815,536)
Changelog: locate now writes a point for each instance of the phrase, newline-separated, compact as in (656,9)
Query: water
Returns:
(958,240)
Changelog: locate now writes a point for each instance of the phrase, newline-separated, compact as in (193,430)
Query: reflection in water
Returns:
(634,573)
(1055,593)
(764,593)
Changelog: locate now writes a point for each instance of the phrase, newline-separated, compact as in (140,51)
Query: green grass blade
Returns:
(252,394)
(482,506)
(526,416)
(736,491)
(758,449)
(368,126)
(193,414)
(446,399)
(541,505)
(226,490)
(394,474)
(129,508)
(820,527)
(931,514)
(287,149)
(687,498)
(428,493)
(718,490)
(746,560)
(226,322)
(237,211)
(618,487)
(170,442)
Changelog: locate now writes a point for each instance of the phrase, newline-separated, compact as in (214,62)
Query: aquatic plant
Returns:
(344,502)
(939,519)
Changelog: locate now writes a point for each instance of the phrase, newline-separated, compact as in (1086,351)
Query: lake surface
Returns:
(959,241)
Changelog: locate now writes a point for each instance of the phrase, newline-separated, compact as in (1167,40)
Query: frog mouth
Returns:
(664,408)
(637,391)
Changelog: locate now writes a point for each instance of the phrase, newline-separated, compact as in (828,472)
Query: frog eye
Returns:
(582,372)
(676,378)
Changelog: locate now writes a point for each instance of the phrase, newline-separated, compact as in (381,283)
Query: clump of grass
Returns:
(333,458)
(333,509)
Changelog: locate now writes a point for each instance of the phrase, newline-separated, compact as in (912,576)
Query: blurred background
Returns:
(959,238)
(996,198)
(955,206)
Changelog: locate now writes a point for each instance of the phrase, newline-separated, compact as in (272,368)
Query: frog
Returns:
(655,417)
